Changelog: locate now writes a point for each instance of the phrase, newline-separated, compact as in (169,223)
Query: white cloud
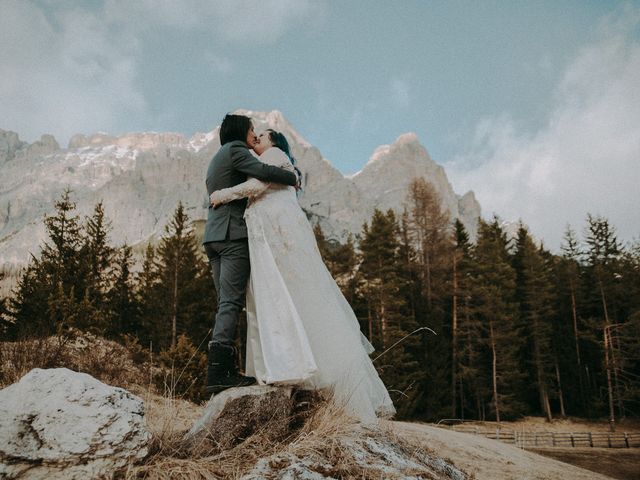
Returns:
(65,74)
(157,13)
(74,67)
(265,21)
(400,92)
(585,160)
(249,22)
(219,63)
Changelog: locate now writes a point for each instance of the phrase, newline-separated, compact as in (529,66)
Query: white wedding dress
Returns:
(300,328)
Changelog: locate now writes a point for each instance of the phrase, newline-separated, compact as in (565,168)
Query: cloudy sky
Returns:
(533,105)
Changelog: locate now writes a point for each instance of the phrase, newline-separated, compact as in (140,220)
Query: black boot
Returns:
(222,372)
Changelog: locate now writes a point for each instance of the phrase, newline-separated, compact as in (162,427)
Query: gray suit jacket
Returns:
(230,166)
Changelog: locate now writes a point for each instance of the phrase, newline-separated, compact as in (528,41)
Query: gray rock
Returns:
(57,423)
(10,143)
(45,146)
(234,415)
(363,453)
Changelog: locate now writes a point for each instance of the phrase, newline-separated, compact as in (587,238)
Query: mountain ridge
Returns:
(141,176)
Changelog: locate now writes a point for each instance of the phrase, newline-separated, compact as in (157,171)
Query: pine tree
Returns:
(535,296)
(97,257)
(430,232)
(185,295)
(626,340)
(62,307)
(429,226)
(124,309)
(466,329)
(148,297)
(493,284)
(323,243)
(55,275)
(384,290)
(340,259)
(568,323)
(602,285)
(378,269)
(28,304)
(7,330)
(60,256)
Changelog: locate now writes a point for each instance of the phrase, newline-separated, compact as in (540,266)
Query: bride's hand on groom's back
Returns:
(215,199)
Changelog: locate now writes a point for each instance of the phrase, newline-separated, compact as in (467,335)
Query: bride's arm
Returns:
(251,188)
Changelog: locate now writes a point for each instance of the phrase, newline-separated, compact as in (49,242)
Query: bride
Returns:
(300,328)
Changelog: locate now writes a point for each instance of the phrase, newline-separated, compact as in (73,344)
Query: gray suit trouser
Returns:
(230,266)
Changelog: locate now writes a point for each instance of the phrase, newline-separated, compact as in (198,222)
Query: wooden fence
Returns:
(524,439)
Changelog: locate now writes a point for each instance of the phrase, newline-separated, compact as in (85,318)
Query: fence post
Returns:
(590,440)
(626,439)
(609,439)
(497,433)
(572,442)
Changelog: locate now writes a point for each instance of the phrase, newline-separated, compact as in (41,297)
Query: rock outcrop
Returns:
(316,440)
(60,424)
(362,455)
(10,143)
(236,414)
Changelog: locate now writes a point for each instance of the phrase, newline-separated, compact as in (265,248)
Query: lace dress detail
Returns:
(300,328)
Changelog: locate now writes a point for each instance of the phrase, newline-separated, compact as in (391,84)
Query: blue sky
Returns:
(491,88)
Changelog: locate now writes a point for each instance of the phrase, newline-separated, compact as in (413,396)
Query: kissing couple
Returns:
(263,253)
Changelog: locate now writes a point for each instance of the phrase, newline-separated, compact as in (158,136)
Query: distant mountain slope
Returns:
(140,177)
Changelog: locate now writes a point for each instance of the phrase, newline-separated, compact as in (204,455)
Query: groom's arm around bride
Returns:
(230,166)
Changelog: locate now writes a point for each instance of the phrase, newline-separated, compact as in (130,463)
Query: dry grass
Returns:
(323,443)
(569,424)
(174,457)
(105,360)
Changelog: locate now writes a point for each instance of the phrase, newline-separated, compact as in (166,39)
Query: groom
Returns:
(226,245)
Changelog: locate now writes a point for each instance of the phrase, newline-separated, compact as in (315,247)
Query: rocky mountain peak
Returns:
(277,121)
(12,147)
(405,152)
(10,143)
(141,177)
(386,177)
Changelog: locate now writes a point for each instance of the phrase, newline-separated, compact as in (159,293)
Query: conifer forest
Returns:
(491,329)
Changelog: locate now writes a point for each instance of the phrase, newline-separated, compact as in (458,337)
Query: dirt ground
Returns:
(620,463)
(490,459)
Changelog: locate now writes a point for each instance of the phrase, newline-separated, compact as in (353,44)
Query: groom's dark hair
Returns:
(234,127)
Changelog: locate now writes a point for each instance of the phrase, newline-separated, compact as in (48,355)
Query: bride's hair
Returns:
(280,141)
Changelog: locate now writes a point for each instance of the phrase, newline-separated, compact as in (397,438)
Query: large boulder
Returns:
(57,423)
(236,414)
